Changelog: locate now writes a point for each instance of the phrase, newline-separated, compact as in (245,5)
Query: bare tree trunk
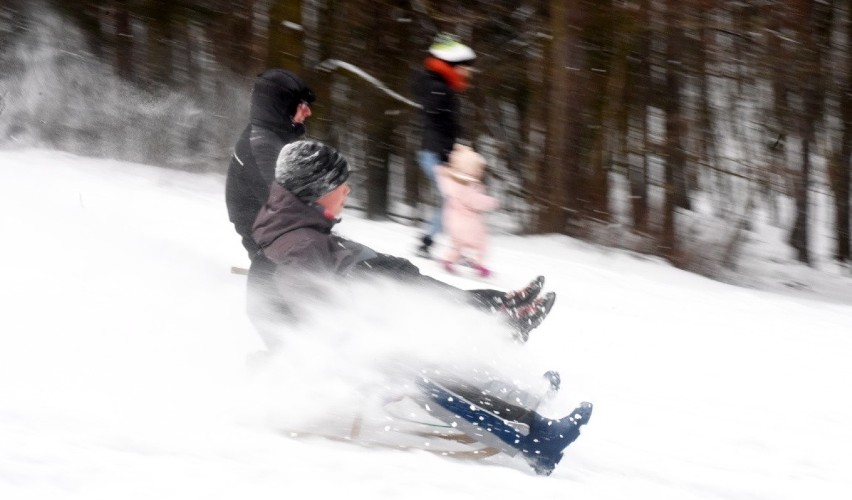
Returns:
(240,38)
(799,235)
(535,131)
(840,184)
(816,32)
(674,150)
(286,36)
(551,175)
(235,41)
(380,113)
(376,114)
(778,55)
(328,32)
(159,61)
(123,41)
(637,95)
(609,54)
(841,179)
(561,170)
(707,132)
(378,163)
(675,88)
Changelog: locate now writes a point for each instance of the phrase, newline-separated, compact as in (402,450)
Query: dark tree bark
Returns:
(375,24)
(124,61)
(561,171)
(707,140)
(841,179)
(799,234)
(777,55)
(607,76)
(815,35)
(329,29)
(159,58)
(676,122)
(637,93)
(286,36)
(675,155)
(240,41)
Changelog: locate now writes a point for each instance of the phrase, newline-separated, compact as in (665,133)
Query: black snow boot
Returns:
(524,295)
(527,317)
(425,244)
(497,301)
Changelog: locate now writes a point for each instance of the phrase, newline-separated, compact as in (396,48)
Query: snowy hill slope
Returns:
(123,373)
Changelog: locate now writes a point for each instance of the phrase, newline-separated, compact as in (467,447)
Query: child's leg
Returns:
(477,255)
(454,252)
(479,261)
(451,257)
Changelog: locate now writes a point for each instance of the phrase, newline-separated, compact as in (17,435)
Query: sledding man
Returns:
(294,232)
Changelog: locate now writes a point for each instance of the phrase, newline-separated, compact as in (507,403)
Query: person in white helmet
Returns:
(446,73)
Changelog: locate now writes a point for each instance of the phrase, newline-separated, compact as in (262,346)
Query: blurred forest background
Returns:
(661,126)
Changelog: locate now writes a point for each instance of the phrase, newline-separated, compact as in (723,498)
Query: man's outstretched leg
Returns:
(495,300)
(541,440)
(528,317)
(524,309)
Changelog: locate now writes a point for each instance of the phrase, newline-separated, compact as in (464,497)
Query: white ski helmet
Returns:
(447,48)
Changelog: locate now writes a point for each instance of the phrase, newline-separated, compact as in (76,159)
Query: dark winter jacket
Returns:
(302,256)
(441,126)
(298,239)
(275,97)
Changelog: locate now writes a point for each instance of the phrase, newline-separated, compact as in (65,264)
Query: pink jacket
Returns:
(464,205)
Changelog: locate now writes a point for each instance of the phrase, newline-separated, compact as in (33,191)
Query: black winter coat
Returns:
(275,96)
(441,124)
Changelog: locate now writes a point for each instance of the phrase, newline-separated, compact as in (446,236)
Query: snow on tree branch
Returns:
(333,64)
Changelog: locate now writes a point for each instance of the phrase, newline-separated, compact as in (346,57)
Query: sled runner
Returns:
(405,426)
(451,420)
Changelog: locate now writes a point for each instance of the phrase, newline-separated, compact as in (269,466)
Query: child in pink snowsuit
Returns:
(465,203)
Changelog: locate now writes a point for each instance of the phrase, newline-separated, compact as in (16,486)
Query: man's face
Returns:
(303,111)
(334,201)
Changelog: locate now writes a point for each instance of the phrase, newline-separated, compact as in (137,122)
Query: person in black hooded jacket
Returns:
(279,107)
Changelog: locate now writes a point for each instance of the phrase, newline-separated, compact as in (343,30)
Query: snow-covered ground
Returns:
(123,373)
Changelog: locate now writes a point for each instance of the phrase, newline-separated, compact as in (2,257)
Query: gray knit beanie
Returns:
(310,169)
